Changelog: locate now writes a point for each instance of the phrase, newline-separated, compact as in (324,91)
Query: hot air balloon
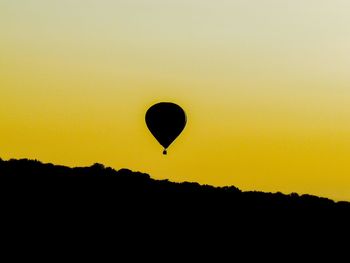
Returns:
(166,121)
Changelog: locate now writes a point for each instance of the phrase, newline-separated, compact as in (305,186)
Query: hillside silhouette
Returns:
(97,183)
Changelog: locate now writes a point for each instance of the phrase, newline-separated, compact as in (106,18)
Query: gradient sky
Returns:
(265,84)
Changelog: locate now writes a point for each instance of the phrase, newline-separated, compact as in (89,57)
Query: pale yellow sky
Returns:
(265,85)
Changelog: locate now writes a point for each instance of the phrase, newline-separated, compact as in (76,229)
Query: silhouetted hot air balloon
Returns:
(166,121)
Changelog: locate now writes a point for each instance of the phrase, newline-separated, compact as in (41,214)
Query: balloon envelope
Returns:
(166,121)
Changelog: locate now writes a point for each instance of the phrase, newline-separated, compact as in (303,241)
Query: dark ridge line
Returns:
(26,174)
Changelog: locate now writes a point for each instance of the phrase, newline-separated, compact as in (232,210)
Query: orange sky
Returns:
(265,85)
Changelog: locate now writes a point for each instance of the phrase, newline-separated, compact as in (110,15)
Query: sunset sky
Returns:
(265,85)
